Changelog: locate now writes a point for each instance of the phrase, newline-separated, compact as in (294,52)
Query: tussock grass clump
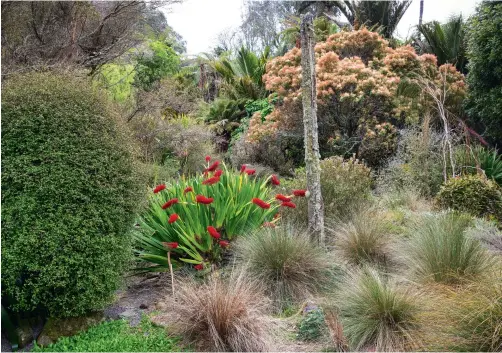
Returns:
(375,313)
(439,249)
(286,261)
(221,315)
(363,239)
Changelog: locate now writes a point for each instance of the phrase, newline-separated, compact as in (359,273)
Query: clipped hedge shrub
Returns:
(68,195)
(472,194)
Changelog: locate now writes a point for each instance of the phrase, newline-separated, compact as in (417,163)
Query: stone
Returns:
(24,334)
(64,327)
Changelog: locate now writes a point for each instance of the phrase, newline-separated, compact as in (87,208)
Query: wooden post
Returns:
(312,155)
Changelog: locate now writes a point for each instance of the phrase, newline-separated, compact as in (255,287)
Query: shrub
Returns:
(365,238)
(221,316)
(69,195)
(417,164)
(472,194)
(484,51)
(286,262)
(116,336)
(345,186)
(201,215)
(439,249)
(375,313)
(312,325)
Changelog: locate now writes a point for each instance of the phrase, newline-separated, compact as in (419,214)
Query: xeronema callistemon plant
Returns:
(196,219)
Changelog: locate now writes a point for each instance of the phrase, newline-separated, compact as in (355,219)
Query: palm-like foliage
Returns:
(243,76)
(384,15)
(490,161)
(445,40)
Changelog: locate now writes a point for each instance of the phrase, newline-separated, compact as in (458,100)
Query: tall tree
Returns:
(445,40)
(312,155)
(421,15)
(381,15)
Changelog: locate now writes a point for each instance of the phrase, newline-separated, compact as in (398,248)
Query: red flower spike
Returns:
(300,193)
(282,198)
(208,158)
(159,188)
(199,267)
(213,166)
(203,200)
(173,218)
(171,245)
(211,181)
(243,168)
(269,225)
(213,232)
(218,173)
(224,243)
(261,203)
(288,204)
(275,180)
(250,171)
(187,189)
(206,173)
(169,203)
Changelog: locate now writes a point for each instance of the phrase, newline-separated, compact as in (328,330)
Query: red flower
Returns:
(199,267)
(213,166)
(300,193)
(288,204)
(159,188)
(218,173)
(269,225)
(169,203)
(282,198)
(211,181)
(243,168)
(187,189)
(204,200)
(261,203)
(208,158)
(213,232)
(224,243)
(173,218)
(250,171)
(172,245)
(275,180)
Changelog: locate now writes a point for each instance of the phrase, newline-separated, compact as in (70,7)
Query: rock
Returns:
(55,327)
(128,314)
(161,306)
(143,306)
(24,334)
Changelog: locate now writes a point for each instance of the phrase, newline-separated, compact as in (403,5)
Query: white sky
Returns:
(200,21)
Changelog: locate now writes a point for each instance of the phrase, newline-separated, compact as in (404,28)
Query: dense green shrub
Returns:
(440,249)
(69,194)
(116,336)
(472,194)
(312,325)
(484,51)
(345,185)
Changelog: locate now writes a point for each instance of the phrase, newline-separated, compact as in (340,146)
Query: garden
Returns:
(313,183)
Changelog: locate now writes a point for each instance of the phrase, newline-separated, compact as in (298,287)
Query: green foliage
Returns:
(118,80)
(68,198)
(490,161)
(440,250)
(311,326)
(116,336)
(445,40)
(484,51)
(472,194)
(378,143)
(286,262)
(232,213)
(161,62)
(345,185)
(375,313)
(226,109)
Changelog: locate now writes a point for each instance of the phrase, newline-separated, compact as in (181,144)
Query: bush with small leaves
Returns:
(312,325)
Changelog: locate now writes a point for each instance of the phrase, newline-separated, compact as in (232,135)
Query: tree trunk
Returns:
(312,156)
(421,12)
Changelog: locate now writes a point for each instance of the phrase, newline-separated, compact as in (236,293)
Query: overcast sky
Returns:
(200,21)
